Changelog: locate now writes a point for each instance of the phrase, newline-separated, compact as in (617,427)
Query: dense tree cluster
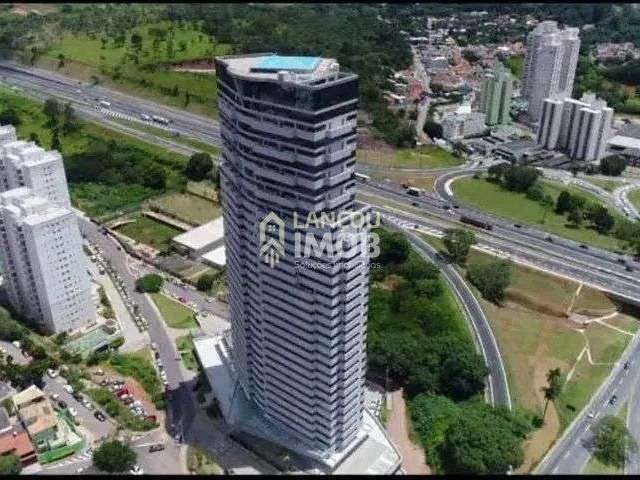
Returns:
(415,339)
(150,283)
(458,243)
(613,442)
(613,165)
(114,457)
(492,279)
(199,166)
(469,437)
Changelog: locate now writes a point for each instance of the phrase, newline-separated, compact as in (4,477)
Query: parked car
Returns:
(52,373)
(73,412)
(62,404)
(156,448)
(136,470)
(99,416)
(68,388)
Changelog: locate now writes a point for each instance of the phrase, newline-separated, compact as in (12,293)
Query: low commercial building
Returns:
(463,125)
(37,415)
(200,240)
(626,143)
(579,128)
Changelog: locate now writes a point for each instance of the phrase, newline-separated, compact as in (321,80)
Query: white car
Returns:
(55,397)
(73,412)
(52,373)
(68,388)
(136,470)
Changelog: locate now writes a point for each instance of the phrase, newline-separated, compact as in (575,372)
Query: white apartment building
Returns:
(43,265)
(463,125)
(550,65)
(288,126)
(24,164)
(580,128)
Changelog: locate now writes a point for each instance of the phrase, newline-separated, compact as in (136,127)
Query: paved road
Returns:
(570,454)
(497,386)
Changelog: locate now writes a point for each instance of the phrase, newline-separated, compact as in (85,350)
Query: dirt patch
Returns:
(531,303)
(413,458)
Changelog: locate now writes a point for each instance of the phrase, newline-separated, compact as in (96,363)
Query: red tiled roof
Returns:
(19,445)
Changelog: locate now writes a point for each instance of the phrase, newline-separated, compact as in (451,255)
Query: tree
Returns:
(150,283)
(199,166)
(553,388)
(68,119)
(575,217)
(10,465)
(602,220)
(52,110)
(10,117)
(564,203)
(33,137)
(55,140)
(497,171)
(458,242)
(492,279)
(60,60)
(205,282)
(394,247)
(114,457)
(612,165)
(480,441)
(520,179)
(433,129)
(613,442)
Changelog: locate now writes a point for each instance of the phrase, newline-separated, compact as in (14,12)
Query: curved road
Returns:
(498,385)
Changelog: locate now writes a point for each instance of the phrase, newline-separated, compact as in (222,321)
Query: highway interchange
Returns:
(527,245)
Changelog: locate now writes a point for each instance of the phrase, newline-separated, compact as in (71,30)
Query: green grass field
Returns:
(184,345)
(634,197)
(186,207)
(145,70)
(534,336)
(427,157)
(495,199)
(174,313)
(608,185)
(150,232)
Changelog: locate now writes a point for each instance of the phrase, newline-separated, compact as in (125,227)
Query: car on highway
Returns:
(613,400)
(628,268)
(145,117)
(549,239)
(591,415)
(626,365)
(583,246)
(136,470)
(517,225)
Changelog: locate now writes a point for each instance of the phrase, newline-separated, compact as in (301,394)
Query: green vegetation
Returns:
(175,314)
(634,197)
(613,165)
(199,167)
(492,279)
(494,198)
(184,345)
(205,282)
(108,172)
(608,185)
(613,442)
(117,410)
(150,283)
(201,462)
(10,464)
(114,457)
(151,232)
(516,65)
(189,208)
(458,243)
(138,365)
(421,157)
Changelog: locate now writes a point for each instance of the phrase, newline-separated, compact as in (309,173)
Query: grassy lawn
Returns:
(152,76)
(422,157)
(496,200)
(184,345)
(608,185)
(205,189)
(516,64)
(174,313)
(535,335)
(186,207)
(150,232)
(634,197)
(200,462)
(105,201)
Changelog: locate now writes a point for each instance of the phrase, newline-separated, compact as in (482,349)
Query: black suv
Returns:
(156,448)
(99,416)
